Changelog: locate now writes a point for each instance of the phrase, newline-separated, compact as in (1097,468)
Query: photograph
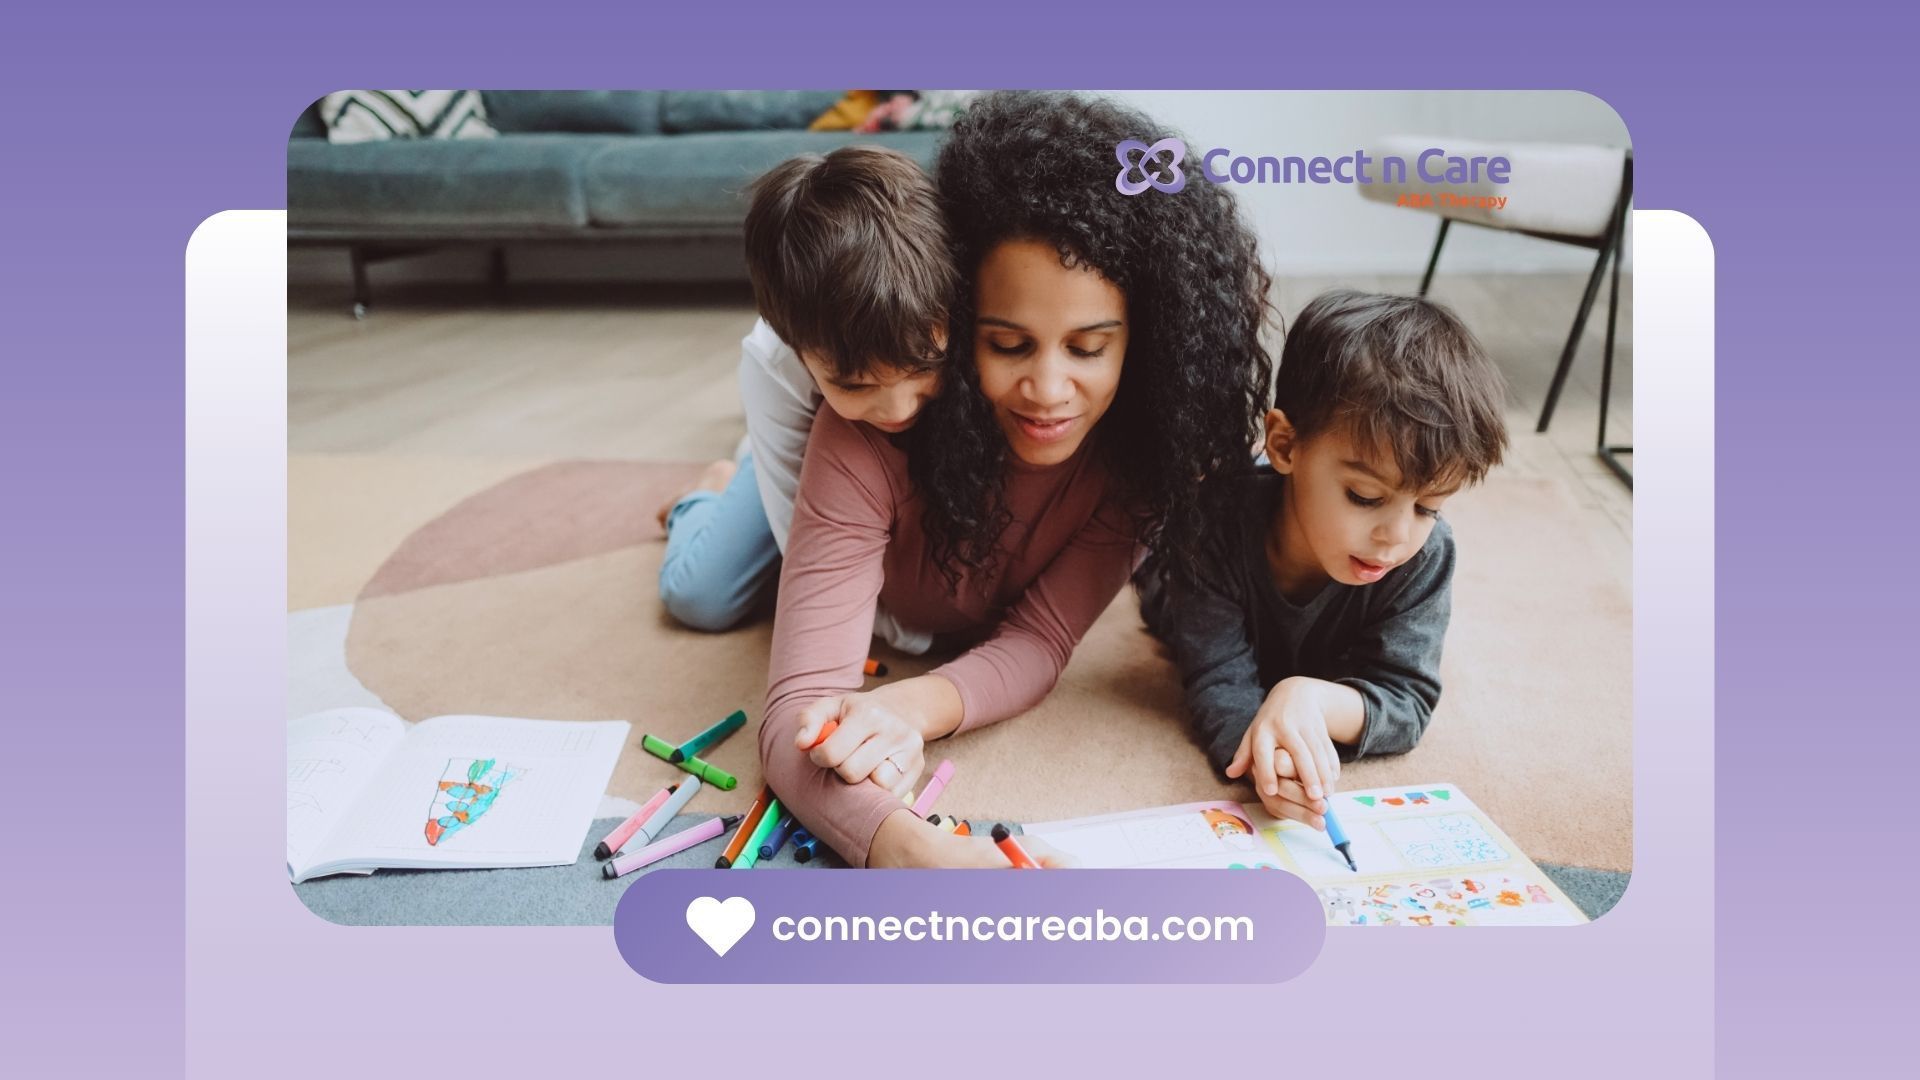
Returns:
(842,479)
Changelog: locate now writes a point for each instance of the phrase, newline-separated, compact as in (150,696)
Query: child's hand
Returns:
(873,742)
(1290,755)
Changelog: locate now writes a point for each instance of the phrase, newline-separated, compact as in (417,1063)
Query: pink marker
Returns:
(625,830)
(935,786)
(660,849)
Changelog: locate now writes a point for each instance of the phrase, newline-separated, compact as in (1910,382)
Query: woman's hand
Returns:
(873,741)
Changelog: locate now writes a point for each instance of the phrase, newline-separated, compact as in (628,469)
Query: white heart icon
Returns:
(720,924)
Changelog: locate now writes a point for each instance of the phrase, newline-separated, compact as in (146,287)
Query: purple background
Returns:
(1288,927)
(1785,134)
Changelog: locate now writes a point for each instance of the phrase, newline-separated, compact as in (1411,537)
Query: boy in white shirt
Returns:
(853,276)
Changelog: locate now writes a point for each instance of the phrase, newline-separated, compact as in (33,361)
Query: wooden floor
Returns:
(648,372)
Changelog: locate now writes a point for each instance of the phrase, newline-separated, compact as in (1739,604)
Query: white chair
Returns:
(1571,194)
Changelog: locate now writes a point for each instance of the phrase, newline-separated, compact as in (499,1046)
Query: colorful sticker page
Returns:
(1426,856)
(1207,835)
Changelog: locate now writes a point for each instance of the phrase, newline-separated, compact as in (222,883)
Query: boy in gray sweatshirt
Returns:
(1314,635)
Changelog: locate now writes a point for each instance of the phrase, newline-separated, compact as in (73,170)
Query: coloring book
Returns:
(367,790)
(1427,856)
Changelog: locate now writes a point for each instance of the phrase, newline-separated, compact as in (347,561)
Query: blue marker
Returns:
(807,850)
(1339,837)
(777,838)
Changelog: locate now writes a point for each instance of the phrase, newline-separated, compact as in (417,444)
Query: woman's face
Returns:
(1049,342)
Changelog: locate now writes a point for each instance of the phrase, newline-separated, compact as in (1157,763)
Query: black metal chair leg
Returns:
(1434,259)
(1573,339)
(1610,454)
(361,296)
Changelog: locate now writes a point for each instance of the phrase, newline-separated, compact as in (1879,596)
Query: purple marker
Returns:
(660,849)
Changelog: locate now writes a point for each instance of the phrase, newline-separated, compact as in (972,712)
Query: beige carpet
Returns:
(528,589)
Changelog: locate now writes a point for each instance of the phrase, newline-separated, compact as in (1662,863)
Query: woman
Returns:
(1106,383)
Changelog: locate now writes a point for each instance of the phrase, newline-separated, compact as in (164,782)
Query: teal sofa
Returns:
(637,167)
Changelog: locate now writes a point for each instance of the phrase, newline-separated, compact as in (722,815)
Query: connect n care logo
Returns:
(1139,158)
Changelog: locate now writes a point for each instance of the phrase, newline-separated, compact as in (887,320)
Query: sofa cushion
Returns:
(612,112)
(514,181)
(356,116)
(701,180)
(743,110)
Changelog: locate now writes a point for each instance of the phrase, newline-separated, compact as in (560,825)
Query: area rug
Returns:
(435,586)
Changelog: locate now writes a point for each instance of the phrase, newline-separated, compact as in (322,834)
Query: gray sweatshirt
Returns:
(1234,636)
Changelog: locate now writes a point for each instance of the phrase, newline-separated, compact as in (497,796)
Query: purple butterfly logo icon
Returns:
(1135,156)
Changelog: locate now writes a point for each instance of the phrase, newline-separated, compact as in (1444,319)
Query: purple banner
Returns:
(963,926)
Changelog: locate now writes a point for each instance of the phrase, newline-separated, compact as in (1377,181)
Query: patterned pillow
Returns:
(370,115)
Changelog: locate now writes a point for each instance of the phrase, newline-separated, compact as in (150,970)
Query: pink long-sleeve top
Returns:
(857,540)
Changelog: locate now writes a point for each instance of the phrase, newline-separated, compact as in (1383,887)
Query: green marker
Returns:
(751,853)
(710,736)
(709,774)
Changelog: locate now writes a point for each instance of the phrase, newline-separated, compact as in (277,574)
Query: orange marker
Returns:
(826,730)
(874,667)
(1011,848)
(965,828)
(747,825)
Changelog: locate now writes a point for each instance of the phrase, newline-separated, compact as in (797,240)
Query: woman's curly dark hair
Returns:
(1194,384)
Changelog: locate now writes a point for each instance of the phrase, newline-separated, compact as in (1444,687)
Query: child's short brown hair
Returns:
(850,260)
(1403,376)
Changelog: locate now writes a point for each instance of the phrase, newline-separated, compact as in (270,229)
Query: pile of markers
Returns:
(652,818)
(766,828)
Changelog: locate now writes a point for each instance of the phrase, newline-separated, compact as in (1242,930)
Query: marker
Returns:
(965,828)
(680,841)
(709,772)
(777,839)
(611,842)
(657,824)
(935,786)
(750,854)
(800,834)
(1011,848)
(874,667)
(710,736)
(659,748)
(806,851)
(747,824)
(665,751)
(1339,837)
(826,730)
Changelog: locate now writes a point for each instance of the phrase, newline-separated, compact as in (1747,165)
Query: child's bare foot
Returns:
(714,477)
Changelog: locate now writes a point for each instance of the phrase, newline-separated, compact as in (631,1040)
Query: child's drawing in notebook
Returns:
(466,791)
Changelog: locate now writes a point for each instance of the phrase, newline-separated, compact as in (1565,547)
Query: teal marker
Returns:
(710,736)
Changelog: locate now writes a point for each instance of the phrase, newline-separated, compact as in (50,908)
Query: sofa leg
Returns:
(497,272)
(361,296)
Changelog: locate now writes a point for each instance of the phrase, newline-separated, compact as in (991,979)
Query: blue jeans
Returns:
(721,555)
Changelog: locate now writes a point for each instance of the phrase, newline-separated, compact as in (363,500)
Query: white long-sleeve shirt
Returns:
(780,399)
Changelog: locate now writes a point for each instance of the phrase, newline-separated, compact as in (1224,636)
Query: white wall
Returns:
(1314,228)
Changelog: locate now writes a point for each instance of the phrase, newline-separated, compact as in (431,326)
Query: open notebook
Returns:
(366,790)
(1427,856)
